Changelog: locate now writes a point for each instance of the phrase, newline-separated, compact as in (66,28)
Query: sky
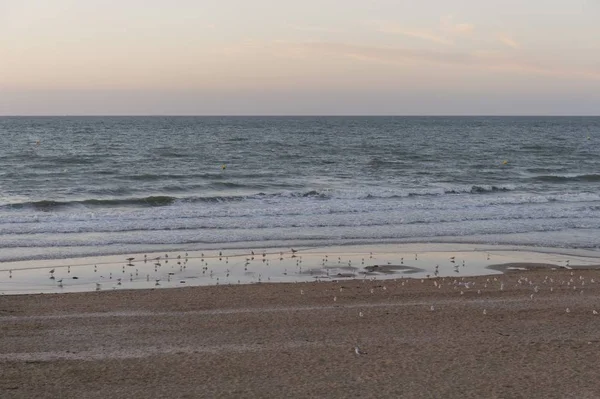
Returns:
(309,57)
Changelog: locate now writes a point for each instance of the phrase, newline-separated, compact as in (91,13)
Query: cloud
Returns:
(508,41)
(395,29)
(480,60)
(444,34)
(424,35)
(314,28)
(447,24)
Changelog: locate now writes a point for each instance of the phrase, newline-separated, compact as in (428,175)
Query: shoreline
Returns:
(247,266)
(482,336)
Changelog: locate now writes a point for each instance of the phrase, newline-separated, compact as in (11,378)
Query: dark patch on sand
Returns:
(391,269)
(522,266)
(344,268)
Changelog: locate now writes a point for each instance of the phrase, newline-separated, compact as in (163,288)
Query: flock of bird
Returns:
(154,270)
(282,266)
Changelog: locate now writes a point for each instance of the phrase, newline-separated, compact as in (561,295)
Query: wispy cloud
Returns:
(486,61)
(443,34)
(395,29)
(315,28)
(508,41)
(447,24)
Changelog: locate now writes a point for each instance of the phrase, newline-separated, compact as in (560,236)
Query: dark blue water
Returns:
(104,185)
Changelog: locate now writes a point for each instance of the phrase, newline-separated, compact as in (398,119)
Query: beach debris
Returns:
(568,310)
(484,311)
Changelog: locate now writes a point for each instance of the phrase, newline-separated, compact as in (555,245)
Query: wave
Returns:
(591,178)
(291,233)
(164,200)
(480,189)
(48,205)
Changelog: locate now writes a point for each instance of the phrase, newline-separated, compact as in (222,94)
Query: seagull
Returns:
(129,259)
(358,351)
(294,250)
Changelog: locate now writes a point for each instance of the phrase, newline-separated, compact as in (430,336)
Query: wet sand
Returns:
(247,266)
(475,337)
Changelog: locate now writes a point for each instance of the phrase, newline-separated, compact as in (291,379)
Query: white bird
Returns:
(358,351)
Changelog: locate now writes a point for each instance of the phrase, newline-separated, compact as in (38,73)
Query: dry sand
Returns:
(294,340)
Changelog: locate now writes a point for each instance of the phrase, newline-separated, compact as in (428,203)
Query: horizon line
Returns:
(297,115)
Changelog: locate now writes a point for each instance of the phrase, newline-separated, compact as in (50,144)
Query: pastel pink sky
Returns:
(271,57)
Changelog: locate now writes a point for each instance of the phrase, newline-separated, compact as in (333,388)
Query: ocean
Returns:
(89,186)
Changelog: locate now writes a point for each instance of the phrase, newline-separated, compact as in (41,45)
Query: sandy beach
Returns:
(530,334)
